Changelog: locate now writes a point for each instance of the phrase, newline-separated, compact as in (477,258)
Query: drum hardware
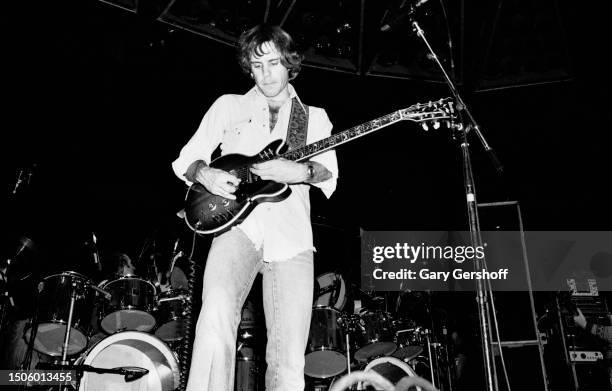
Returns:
(246,335)
(431,364)
(73,297)
(350,324)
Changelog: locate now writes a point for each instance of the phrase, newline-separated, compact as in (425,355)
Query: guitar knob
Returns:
(212,206)
(424,126)
(436,125)
(226,202)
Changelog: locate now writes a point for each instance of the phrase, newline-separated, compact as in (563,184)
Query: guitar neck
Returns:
(343,137)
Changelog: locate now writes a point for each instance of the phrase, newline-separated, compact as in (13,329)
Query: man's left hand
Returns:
(281,171)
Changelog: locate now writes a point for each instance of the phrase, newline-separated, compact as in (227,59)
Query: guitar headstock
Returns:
(431,113)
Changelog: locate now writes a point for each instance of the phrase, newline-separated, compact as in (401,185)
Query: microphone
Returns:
(131,374)
(96,256)
(18,181)
(404,12)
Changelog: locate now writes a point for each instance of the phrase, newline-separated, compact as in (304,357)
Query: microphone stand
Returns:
(483,295)
(130,373)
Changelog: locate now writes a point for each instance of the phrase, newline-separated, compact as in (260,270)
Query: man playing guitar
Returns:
(276,238)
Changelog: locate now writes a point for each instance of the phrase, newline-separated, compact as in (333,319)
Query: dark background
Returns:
(98,102)
(101,101)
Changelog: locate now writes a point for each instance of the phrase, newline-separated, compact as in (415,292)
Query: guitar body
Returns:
(207,213)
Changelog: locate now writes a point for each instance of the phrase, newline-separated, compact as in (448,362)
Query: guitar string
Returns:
(343,136)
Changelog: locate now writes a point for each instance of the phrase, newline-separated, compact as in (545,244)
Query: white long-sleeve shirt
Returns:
(241,124)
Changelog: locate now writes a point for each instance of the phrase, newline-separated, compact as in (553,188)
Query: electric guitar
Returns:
(206,213)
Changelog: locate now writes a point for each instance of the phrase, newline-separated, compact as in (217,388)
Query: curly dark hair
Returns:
(251,42)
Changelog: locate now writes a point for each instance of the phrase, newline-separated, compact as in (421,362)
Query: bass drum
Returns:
(131,349)
(391,369)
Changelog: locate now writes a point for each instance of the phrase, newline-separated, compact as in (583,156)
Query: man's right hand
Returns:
(216,181)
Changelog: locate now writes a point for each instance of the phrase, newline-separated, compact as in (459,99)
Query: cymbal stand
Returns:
(430,357)
(348,353)
(69,324)
(483,295)
(348,326)
(446,358)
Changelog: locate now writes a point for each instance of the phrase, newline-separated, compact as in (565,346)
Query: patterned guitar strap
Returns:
(298,125)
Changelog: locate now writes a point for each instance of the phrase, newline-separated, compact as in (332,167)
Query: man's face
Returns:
(270,75)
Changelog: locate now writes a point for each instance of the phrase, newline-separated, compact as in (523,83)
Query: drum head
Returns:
(375,349)
(172,331)
(324,363)
(132,349)
(407,353)
(50,339)
(331,292)
(128,320)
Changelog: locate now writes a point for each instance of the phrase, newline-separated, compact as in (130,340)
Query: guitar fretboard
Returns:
(345,136)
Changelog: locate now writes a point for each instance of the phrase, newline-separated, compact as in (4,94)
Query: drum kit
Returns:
(369,338)
(122,333)
(127,330)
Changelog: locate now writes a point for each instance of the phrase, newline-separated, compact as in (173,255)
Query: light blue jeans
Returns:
(233,263)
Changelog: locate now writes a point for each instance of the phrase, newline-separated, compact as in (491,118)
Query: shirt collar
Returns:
(255,93)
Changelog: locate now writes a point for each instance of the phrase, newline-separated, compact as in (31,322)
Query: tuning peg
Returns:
(424,126)
(436,125)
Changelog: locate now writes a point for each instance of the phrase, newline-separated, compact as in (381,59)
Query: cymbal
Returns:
(25,243)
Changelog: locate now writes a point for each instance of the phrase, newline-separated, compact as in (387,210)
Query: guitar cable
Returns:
(186,345)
